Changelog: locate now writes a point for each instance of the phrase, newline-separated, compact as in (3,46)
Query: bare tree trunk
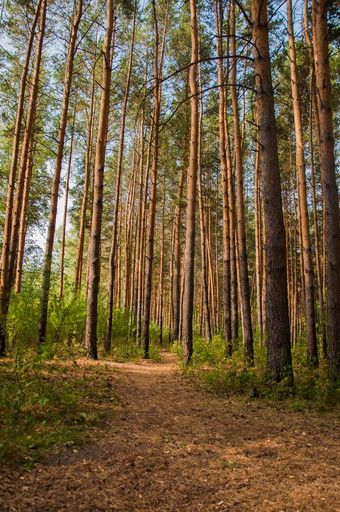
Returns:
(23,221)
(202,223)
(188,298)
(330,191)
(258,245)
(177,257)
(15,155)
(279,362)
(84,202)
(312,349)
(161,271)
(112,258)
(241,231)
(224,172)
(10,254)
(94,256)
(154,171)
(45,289)
(63,236)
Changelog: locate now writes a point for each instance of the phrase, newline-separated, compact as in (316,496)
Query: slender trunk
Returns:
(330,191)
(177,257)
(15,152)
(161,272)
(202,224)
(23,223)
(112,258)
(87,172)
(188,298)
(10,254)
(279,362)
(258,245)
(45,289)
(95,235)
(157,66)
(241,222)
(63,235)
(224,172)
(312,349)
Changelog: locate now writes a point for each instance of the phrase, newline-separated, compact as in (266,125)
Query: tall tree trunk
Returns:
(15,155)
(161,272)
(224,172)
(330,191)
(87,172)
(188,298)
(23,220)
(45,289)
(279,362)
(202,223)
(112,258)
(10,254)
(312,349)
(258,245)
(241,222)
(96,223)
(67,186)
(157,67)
(177,257)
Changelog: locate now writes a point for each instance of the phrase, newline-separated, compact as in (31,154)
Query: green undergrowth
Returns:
(47,407)
(229,376)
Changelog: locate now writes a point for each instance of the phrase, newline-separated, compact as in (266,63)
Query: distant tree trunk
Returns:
(330,191)
(95,234)
(87,173)
(10,254)
(108,333)
(142,244)
(157,66)
(279,362)
(23,220)
(15,157)
(202,223)
(312,349)
(224,171)
(241,222)
(188,298)
(161,272)
(45,289)
(177,257)
(258,246)
(67,186)
(232,219)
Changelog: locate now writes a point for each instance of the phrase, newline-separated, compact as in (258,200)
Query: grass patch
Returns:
(216,373)
(45,407)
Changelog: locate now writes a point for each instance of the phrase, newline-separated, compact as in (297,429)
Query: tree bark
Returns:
(312,349)
(10,254)
(96,223)
(67,185)
(330,191)
(157,66)
(45,289)
(189,255)
(279,362)
(15,154)
(224,172)
(112,258)
(241,222)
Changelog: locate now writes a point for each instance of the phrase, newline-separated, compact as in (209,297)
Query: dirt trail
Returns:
(171,447)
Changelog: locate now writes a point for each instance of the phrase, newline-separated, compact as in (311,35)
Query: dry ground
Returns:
(172,447)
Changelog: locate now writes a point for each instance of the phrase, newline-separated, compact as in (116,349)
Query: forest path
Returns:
(173,447)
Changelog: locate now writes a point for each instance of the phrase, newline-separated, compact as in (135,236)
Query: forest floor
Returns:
(168,445)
